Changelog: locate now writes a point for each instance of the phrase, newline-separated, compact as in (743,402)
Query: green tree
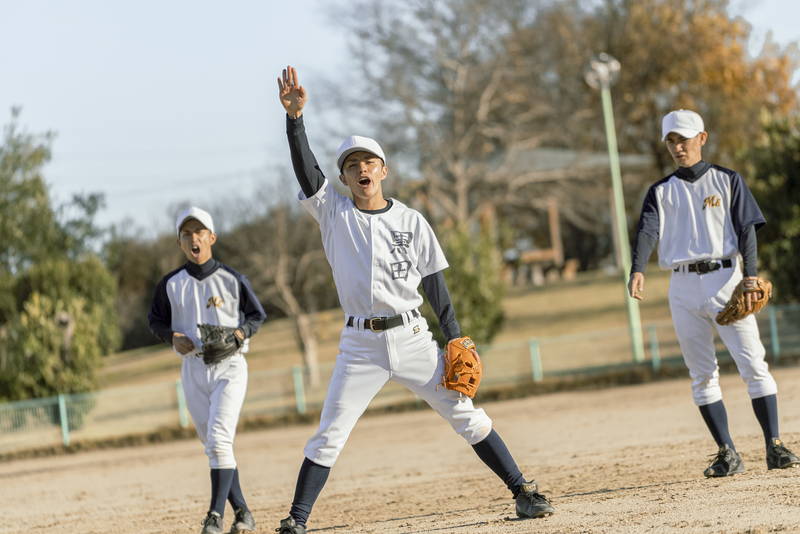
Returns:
(56,297)
(774,178)
(27,221)
(138,264)
(474,282)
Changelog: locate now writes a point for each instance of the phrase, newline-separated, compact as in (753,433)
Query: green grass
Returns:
(591,302)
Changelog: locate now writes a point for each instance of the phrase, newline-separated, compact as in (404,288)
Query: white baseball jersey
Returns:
(378,258)
(211,293)
(697,214)
(213,300)
(698,219)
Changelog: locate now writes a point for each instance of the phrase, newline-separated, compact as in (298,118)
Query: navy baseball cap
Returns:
(356,143)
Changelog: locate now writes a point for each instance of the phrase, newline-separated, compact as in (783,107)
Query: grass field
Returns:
(592,302)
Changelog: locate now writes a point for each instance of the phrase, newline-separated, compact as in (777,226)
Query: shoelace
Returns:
(781,450)
(720,456)
(536,497)
(211,518)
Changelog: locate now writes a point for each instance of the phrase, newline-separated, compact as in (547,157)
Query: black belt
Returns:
(706,266)
(378,324)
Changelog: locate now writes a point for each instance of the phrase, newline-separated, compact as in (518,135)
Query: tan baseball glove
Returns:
(462,366)
(736,308)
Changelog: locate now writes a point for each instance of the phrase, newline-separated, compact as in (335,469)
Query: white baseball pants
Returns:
(214,397)
(367,360)
(694,301)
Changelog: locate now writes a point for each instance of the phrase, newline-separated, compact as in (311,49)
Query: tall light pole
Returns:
(601,73)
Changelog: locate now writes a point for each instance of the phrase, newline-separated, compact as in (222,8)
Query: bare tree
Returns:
(278,248)
(468,93)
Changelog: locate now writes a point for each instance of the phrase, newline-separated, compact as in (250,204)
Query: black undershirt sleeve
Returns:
(436,290)
(646,234)
(642,249)
(160,316)
(306,168)
(748,247)
(250,308)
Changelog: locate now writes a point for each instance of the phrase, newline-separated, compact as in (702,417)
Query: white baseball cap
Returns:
(194,213)
(356,143)
(682,121)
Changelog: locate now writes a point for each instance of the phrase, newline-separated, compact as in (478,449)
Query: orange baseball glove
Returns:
(462,366)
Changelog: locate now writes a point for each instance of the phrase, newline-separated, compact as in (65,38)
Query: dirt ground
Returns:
(622,460)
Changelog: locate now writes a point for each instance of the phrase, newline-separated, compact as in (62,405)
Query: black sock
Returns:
(766,409)
(235,495)
(716,419)
(494,453)
(310,482)
(220,487)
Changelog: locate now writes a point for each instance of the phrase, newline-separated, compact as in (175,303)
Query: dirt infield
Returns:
(622,460)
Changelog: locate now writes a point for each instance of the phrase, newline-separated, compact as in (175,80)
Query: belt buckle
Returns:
(703,267)
(370,323)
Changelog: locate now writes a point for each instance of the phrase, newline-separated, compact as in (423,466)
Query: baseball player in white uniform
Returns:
(380,251)
(705,220)
(205,291)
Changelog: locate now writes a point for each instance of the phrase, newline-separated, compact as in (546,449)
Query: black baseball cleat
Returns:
(779,457)
(212,524)
(289,526)
(243,522)
(531,503)
(726,462)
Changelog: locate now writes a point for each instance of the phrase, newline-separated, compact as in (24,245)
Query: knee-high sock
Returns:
(494,453)
(221,480)
(235,495)
(310,482)
(716,418)
(766,409)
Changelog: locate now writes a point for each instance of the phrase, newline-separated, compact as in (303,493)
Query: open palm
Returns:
(292,95)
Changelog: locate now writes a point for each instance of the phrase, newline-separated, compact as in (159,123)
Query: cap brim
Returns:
(684,132)
(352,150)
(189,218)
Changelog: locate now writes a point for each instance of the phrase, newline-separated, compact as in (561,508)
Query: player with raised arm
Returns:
(380,251)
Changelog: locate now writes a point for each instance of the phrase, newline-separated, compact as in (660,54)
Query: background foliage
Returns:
(483,110)
(775,181)
(57,298)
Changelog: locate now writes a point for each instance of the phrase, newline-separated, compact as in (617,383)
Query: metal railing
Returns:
(123,411)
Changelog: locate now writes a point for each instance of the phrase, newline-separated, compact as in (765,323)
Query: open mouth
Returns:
(364,181)
(195,249)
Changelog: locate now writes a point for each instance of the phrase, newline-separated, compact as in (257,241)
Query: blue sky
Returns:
(156,102)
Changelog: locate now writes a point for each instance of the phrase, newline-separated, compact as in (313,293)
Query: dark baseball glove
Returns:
(462,366)
(219,342)
(736,308)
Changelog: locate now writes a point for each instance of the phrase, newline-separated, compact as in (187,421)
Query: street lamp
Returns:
(601,73)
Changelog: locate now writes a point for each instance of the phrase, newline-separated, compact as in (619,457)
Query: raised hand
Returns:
(292,95)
